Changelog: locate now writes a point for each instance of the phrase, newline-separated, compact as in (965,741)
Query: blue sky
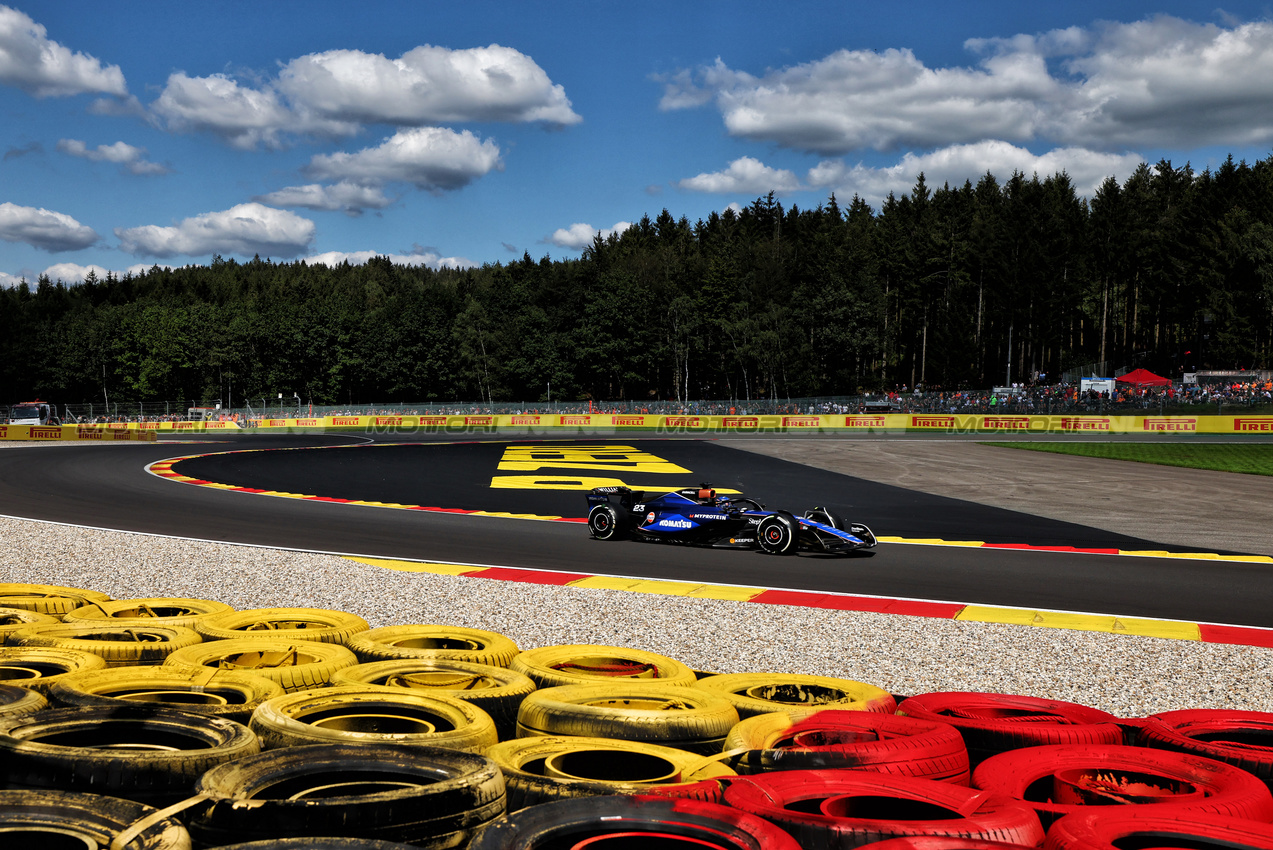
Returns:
(146,133)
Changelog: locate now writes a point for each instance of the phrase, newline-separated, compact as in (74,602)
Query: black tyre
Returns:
(606,523)
(414,795)
(48,819)
(778,534)
(632,822)
(149,755)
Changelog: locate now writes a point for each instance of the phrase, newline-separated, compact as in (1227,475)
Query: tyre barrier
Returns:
(496,690)
(796,694)
(324,843)
(589,664)
(368,714)
(540,770)
(167,611)
(120,646)
(1241,738)
(15,701)
(615,822)
(49,819)
(685,718)
(424,796)
(296,665)
(12,619)
(1146,826)
(38,668)
(144,754)
(996,723)
(943,842)
(1065,779)
(207,690)
(47,598)
(313,624)
(844,808)
(453,643)
(852,740)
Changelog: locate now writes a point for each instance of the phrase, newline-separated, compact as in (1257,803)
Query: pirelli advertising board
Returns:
(791,423)
(95,433)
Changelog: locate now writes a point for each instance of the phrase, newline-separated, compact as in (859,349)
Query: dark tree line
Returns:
(954,287)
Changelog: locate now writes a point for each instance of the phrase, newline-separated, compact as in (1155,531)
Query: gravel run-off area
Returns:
(1127,675)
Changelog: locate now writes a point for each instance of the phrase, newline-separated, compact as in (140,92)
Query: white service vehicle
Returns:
(34,413)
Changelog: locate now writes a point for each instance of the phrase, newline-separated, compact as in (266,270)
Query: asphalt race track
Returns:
(107,486)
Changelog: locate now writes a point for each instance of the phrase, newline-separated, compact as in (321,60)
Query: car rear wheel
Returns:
(605,523)
(777,534)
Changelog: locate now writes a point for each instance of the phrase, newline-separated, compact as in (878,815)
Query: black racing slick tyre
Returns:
(149,755)
(606,522)
(778,534)
(423,796)
(51,819)
(632,822)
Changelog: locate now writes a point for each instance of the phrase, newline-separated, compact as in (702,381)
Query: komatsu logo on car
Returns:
(674,523)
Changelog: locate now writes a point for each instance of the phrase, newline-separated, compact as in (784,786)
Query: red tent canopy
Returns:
(1143,378)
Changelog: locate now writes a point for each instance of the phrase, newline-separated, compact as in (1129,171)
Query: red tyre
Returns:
(846,808)
(1145,826)
(996,723)
(1067,779)
(612,822)
(1241,738)
(856,740)
(939,842)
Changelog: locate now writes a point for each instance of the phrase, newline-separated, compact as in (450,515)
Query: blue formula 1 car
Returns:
(700,517)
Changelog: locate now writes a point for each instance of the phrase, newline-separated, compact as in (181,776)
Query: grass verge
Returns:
(1250,458)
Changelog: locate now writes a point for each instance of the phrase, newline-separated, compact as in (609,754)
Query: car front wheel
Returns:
(777,535)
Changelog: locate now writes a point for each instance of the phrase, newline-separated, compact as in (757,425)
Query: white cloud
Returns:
(121,153)
(336,92)
(245,117)
(430,158)
(352,198)
(1161,81)
(580,235)
(959,163)
(44,68)
(426,85)
(44,229)
(8,281)
(244,230)
(746,175)
(418,258)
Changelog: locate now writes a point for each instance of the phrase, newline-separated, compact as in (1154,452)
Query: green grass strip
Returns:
(1250,458)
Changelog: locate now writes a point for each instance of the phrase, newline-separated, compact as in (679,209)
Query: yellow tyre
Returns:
(39,667)
(681,717)
(148,612)
(206,690)
(12,619)
(496,690)
(313,624)
(47,598)
(372,715)
(796,694)
(296,665)
(15,700)
(121,646)
(540,770)
(455,643)
(586,664)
